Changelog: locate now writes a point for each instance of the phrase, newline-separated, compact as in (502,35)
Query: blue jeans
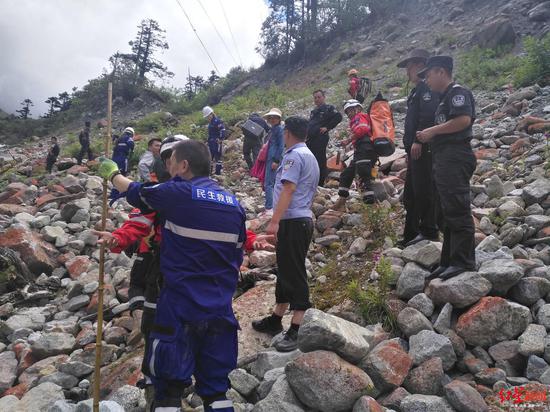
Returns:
(269,184)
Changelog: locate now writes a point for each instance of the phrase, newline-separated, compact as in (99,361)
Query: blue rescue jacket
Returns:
(123,146)
(203,231)
(216,129)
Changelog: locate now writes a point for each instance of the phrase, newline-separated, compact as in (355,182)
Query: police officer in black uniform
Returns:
(453,166)
(418,196)
(322,119)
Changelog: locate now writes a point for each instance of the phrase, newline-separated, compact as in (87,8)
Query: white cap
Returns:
(207,111)
(129,129)
(170,142)
(351,103)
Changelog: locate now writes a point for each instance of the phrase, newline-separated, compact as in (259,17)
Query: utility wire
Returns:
(217,32)
(231,32)
(198,37)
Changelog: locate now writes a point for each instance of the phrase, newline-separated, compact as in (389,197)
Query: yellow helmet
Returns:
(352,72)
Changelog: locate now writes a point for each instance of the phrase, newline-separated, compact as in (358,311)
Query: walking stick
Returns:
(99,336)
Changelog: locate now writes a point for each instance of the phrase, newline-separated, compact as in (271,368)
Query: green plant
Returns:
(535,65)
(373,300)
(486,68)
(380,222)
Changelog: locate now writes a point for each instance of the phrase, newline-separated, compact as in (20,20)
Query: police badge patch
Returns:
(458,100)
(427,97)
(288,164)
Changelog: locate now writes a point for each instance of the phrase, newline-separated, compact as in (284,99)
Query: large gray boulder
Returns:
(536,191)
(502,273)
(529,290)
(464,398)
(280,398)
(325,382)
(425,403)
(411,281)
(44,345)
(425,253)
(460,291)
(321,331)
(8,371)
(41,397)
(272,359)
(496,33)
(412,321)
(428,344)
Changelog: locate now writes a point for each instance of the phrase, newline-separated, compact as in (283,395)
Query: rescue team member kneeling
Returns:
(453,166)
(203,230)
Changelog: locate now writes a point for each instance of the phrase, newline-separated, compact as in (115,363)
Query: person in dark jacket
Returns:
(274,155)
(123,148)
(84,140)
(52,154)
(252,143)
(454,164)
(216,135)
(322,120)
(418,197)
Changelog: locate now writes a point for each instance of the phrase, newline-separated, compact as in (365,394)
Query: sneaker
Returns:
(267,325)
(289,342)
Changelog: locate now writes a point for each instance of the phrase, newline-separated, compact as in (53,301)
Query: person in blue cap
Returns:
(216,135)
(453,166)
(203,231)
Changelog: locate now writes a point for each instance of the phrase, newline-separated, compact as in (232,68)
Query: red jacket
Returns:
(139,227)
(354,84)
(360,126)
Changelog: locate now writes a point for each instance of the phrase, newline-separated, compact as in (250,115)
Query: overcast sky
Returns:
(49,46)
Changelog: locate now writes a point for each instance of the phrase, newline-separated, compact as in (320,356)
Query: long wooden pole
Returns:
(100,289)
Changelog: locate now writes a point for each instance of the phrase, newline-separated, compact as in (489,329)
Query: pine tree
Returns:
(54,105)
(25,111)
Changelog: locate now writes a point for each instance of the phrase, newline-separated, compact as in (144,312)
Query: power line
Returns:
(231,32)
(217,31)
(198,37)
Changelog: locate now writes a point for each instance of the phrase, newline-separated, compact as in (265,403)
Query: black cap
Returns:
(415,55)
(445,62)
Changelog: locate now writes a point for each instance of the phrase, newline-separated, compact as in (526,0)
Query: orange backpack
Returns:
(383,128)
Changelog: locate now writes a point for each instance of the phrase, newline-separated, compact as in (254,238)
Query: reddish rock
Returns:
(41,368)
(518,147)
(85,337)
(388,365)
(77,266)
(125,371)
(126,322)
(17,390)
(329,219)
(426,378)
(115,335)
(367,404)
(42,200)
(23,353)
(464,398)
(60,189)
(393,400)
(487,154)
(37,254)
(12,210)
(527,121)
(108,294)
(76,169)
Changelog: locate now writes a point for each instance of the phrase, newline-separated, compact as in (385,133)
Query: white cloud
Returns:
(50,46)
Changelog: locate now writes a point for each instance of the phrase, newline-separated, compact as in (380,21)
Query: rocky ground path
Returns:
(477,342)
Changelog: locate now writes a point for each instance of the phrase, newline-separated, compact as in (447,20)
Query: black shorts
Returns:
(294,237)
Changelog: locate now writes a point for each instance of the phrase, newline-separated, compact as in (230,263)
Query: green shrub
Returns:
(486,68)
(373,300)
(534,67)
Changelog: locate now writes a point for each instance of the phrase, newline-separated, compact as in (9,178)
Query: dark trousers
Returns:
(50,161)
(216,153)
(84,151)
(453,167)
(364,159)
(318,146)
(418,198)
(251,148)
(293,239)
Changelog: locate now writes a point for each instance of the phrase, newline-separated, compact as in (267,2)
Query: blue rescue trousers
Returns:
(180,348)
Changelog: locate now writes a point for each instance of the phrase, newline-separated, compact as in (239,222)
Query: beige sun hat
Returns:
(274,112)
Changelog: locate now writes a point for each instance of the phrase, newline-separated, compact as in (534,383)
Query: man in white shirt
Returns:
(146,162)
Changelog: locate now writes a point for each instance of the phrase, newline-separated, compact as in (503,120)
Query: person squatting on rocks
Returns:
(274,155)
(53,152)
(364,155)
(322,120)
(123,148)
(292,226)
(84,140)
(418,197)
(203,230)
(148,159)
(252,143)
(453,166)
(216,135)
(354,83)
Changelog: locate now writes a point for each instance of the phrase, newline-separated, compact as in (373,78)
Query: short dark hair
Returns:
(87,123)
(153,140)
(196,154)
(319,91)
(53,138)
(297,126)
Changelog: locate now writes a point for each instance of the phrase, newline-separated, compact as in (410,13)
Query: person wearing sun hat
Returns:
(453,166)
(418,198)
(274,154)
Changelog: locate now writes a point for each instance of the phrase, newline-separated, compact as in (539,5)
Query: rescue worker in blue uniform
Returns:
(418,197)
(123,148)
(216,135)
(453,166)
(203,230)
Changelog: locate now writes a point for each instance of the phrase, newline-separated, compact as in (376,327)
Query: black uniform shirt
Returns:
(456,101)
(421,106)
(84,137)
(54,151)
(325,115)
